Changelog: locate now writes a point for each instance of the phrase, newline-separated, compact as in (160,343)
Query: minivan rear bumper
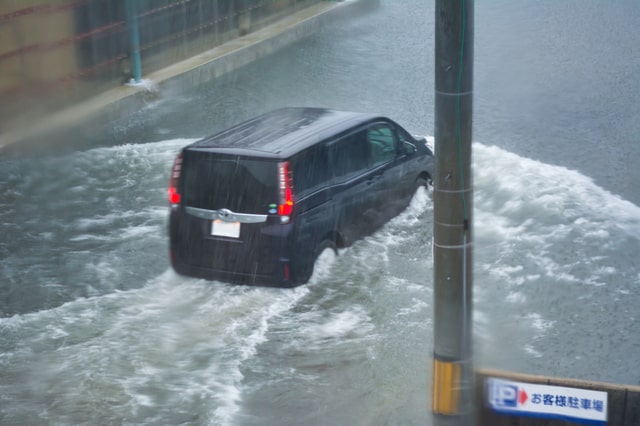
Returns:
(271,280)
(261,256)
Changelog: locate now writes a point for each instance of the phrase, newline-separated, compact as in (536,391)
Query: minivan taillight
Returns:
(174,195)
(285,208)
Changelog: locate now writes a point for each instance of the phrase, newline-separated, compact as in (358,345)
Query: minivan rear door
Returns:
(227,203)
(214,181)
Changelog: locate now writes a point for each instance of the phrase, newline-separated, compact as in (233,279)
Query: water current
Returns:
(95,325)
(95,328)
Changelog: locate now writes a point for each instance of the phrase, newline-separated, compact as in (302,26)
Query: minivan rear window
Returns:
(214,181)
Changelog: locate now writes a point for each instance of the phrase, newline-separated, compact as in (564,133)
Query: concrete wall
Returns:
(33,54)
(61,60)
(35,32)
(93,114)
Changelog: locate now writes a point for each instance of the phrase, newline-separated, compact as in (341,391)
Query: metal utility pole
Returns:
(453,400)
(134,39)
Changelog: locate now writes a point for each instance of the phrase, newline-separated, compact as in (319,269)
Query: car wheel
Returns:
(306,272)
(422,182)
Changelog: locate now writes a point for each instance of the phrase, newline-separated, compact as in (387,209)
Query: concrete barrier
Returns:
(91,116)
(623,401)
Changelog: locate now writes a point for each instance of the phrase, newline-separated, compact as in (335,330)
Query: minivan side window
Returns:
(403,136)
(349,155)
(382,143)
(310,168)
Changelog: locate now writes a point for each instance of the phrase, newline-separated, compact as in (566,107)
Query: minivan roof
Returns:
(283,132)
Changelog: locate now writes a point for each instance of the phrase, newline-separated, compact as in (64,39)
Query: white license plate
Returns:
(221,228)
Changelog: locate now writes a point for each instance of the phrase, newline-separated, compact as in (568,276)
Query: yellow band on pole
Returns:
(446,387)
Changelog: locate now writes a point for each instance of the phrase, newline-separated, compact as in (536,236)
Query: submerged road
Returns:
(96,328)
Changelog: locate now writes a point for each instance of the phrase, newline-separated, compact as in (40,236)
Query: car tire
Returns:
(421,182)
(306,272)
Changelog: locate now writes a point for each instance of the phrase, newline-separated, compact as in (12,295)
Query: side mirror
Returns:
(408,148)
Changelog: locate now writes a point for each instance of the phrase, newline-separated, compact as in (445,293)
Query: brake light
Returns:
(286,271)
(285,208)
(174,195)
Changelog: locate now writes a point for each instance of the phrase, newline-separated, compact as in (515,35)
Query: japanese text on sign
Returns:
(526,399)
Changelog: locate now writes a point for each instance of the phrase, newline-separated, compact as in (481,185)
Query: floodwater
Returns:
(95,328)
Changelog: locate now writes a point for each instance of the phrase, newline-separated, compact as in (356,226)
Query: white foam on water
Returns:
(538,323)
(526,194)
(401,284)
(108,220)
(175,344)
(543,232)
(420,202)
(165,148)
(416,306)
(180,344)
(530,207)
(529,349)
(323,265)
(338,325)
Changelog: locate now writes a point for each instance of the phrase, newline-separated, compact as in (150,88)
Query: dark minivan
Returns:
(257,203)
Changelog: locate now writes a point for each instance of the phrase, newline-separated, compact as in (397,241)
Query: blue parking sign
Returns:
(553,402)
(503,395)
